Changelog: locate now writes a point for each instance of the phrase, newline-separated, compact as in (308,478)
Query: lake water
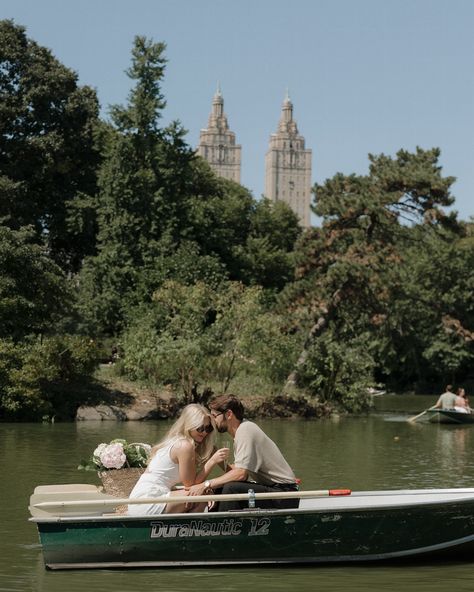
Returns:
(382,451)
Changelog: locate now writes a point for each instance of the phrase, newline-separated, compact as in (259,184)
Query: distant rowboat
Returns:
(449,416)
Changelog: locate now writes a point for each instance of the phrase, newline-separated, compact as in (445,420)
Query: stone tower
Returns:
(217,143)
(288,166)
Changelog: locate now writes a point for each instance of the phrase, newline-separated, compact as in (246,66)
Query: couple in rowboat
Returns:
(187,455)
(457,402)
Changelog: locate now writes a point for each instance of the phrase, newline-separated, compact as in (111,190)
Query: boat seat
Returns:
(66,488)
(80,492)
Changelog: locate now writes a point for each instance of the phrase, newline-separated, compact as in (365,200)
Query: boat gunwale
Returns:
(466,496)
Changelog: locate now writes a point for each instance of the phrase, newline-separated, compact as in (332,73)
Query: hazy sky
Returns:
(365,76)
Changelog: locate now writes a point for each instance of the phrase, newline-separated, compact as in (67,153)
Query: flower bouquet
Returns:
(118,454)
(118,464)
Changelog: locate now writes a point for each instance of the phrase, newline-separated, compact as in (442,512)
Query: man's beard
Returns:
(222,429)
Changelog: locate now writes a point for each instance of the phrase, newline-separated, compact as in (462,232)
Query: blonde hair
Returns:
(192,416)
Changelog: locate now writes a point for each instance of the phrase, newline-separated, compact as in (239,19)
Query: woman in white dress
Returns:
(186,455)
(462,402)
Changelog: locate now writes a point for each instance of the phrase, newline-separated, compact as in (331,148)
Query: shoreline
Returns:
(124,400)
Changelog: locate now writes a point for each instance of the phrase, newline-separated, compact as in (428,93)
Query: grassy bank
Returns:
(259,397)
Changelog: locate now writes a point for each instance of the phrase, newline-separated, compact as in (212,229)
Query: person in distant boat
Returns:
(187,446)
(462,401)
(447,400)
(258,462)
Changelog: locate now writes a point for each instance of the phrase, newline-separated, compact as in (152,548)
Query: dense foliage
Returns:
(48,159)
(44,378)
(379,282)
(162,214)
(33,289)
(200,335)
(116,230)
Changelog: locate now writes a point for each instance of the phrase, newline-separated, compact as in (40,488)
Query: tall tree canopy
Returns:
(352,270)
(48,158)
(162,214)
(143,185)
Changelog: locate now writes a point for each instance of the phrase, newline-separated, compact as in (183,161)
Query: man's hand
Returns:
(198,489)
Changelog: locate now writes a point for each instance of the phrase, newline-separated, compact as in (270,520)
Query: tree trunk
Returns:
(326,314)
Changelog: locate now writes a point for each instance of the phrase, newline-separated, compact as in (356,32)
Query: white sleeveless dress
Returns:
(158,479)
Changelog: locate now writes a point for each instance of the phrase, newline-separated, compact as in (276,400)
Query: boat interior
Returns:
(85,500)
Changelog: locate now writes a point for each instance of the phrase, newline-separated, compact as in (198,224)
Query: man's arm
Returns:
(235,474)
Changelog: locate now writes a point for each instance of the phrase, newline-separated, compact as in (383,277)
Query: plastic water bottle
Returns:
(251,493)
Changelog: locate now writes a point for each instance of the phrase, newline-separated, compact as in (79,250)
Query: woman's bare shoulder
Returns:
(183,445)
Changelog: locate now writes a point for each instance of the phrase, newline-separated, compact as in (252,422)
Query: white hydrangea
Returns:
(100,448)
(113,456)
(97,452)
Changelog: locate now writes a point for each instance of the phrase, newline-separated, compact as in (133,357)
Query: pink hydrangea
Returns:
(113,456)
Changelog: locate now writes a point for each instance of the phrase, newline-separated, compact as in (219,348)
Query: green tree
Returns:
(44,377)
(162,213)
(48,153)
(249,337)
(427,337)
(254,240)
(145,181)
(195,335)
(338,368)
(350,269)
(267,256)
(33,289)
(167,342)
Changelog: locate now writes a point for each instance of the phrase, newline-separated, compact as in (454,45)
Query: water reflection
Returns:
(431,578)
(453,444)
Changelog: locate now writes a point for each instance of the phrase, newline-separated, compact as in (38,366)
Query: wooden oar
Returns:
(412,419)
(106,501)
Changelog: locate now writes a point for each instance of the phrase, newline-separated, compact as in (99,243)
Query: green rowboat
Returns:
(78,528)
(449,416)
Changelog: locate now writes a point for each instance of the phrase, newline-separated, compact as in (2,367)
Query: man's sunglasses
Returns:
(205,428)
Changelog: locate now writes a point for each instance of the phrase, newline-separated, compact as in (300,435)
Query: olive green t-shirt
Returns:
(447,400)
(255,452)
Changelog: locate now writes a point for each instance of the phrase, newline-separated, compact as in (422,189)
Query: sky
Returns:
(364,76)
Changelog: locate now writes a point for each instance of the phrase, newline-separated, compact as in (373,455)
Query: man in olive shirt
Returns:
(447,400)
(258,462)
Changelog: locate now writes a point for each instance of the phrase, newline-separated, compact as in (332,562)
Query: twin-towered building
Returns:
(287,162)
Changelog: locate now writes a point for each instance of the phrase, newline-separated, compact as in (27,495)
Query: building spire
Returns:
(217,117)
(287,124)
(217,142)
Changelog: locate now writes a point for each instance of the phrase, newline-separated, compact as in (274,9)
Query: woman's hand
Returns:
(220,456)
